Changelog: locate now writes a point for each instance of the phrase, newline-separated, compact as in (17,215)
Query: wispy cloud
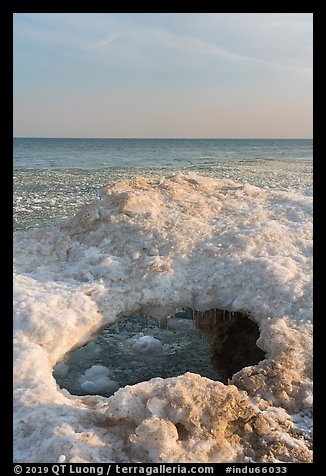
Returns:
(103,43)
(203,47)
(97,32)
(135,74)
(149,37)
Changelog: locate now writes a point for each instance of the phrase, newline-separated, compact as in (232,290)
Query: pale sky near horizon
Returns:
(223,75)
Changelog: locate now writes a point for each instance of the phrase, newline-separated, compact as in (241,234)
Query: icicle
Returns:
(163,322)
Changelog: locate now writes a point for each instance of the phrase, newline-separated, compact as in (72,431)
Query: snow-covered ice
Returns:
(154,246)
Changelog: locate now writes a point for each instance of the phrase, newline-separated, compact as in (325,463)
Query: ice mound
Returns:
(154,246)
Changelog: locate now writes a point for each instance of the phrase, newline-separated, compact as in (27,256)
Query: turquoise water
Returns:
(53,178)
(102,153)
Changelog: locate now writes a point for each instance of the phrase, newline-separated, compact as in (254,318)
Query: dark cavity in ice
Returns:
(213,343)
(232,337)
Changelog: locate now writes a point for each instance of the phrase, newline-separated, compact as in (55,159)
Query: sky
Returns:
(187,75)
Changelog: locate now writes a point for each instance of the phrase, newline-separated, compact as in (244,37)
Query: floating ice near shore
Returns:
(154,246)
(139,348)
(96,380)
(146,344)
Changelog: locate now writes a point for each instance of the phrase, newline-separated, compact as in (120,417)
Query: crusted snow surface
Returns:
(154,246)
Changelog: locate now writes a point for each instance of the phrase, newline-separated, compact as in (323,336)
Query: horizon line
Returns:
(168,138)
